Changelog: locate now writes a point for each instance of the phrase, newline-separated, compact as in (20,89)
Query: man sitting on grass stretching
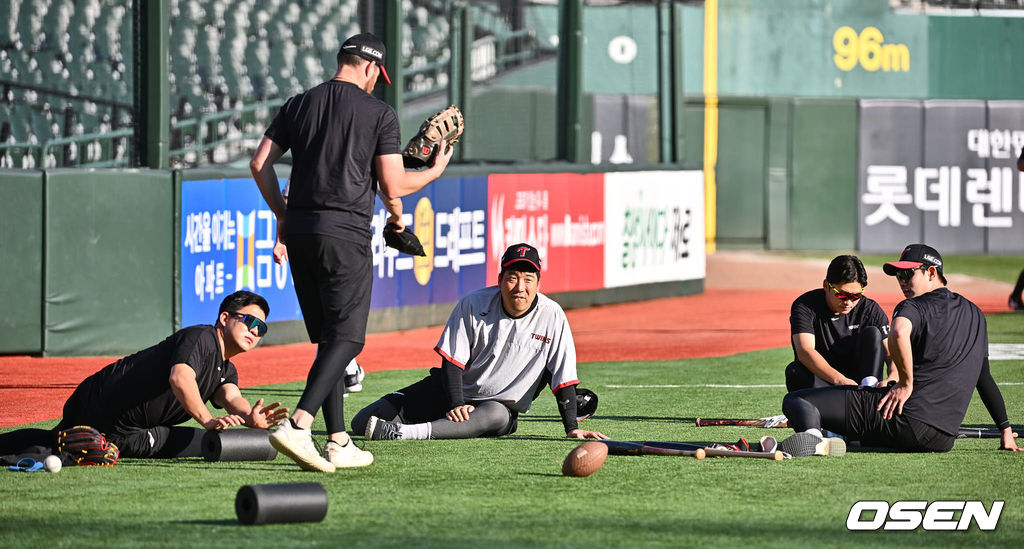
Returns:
(939,346)
(839,335)
(138,401)
(501,343)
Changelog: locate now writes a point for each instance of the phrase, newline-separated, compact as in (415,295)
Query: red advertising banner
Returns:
(561,214)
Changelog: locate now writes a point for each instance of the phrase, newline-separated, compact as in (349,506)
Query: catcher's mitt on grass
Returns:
(84,445)
(405,241)
(447,124)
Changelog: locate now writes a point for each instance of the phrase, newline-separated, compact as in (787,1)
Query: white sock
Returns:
(415,431)
(815,432)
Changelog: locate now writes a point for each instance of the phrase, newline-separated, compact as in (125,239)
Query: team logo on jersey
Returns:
(539,337)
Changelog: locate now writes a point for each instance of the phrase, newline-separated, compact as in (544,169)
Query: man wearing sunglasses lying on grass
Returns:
(839,335)
(138,401)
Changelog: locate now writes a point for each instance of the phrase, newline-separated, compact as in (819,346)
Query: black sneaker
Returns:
(1015,303)
(378,429)
(354,375)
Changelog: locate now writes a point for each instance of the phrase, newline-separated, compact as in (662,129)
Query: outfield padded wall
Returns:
(109,272)
(21,261)
(824,174)
(742,126)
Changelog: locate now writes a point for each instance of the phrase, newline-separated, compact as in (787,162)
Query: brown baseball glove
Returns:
(447,125)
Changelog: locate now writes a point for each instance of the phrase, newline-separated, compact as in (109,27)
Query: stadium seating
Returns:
(68,63)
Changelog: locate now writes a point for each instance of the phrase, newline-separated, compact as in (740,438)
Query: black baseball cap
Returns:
(523,256)
(369,47)
(914,256)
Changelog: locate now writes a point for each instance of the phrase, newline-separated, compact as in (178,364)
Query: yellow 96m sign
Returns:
(869,50)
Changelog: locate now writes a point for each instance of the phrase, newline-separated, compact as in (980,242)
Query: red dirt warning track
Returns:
(745,308)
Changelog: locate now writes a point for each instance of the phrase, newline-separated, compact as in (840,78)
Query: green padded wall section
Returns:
(823,196)
(741,172)
(21,260)
(109,264)
(778,177)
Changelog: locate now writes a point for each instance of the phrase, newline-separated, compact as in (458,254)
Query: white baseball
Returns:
(869,381)
(52,464)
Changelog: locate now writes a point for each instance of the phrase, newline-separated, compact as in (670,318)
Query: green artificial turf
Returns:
(509,492)
(1003,268)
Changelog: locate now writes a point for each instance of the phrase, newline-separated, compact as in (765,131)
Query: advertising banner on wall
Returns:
(226,244)
(450,218)
(655,227)
(941,172)
(562,215)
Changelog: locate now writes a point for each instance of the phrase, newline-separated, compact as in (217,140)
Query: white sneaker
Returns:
(354,376)
(298,445)
(348,455)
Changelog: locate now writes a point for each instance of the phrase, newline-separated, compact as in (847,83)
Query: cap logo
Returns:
(522,251)
(371,51)
(933,259)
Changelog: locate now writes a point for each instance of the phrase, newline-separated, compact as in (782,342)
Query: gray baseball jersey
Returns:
(504,358)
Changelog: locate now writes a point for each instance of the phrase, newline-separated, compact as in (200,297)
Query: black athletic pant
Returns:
(157,442)
(425,402)
(852,412)
(863,357)
(333,280)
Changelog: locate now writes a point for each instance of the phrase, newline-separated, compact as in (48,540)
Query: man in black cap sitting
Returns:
(939,346)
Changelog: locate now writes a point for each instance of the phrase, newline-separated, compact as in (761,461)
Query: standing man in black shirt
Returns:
(839,335)
(138,401)
(345,148)
(939,346)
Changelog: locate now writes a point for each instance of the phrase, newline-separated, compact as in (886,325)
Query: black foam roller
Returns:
(238,445)
(272,503)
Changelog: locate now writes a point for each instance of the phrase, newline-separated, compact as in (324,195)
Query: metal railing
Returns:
(218,137)
(90,150)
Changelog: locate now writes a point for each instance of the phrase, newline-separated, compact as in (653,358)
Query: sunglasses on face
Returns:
(845,296)
(251,322)
(904,275)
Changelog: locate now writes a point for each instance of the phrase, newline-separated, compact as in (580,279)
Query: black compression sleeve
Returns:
(452,383)
(566,398)
(992,397)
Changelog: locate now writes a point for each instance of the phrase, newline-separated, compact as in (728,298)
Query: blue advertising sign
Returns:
(228,233)
(227,242)
(450,218)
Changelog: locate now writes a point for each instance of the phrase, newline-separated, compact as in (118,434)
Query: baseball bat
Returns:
(715,452)
(762,422)
(622,448)
(970,432)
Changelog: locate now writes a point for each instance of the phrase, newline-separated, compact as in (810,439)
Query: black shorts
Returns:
(425,401)
(333,279)
(865,422)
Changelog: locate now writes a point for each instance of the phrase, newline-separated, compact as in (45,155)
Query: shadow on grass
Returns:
(199,463)
(225,522)
(541,475)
